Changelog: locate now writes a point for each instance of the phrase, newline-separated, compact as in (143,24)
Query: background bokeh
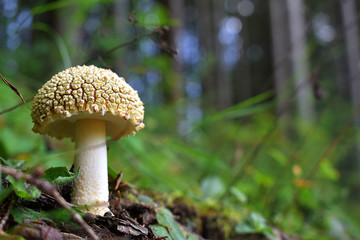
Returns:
(250,105)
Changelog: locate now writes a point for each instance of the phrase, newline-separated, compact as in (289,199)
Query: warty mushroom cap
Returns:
(87,92)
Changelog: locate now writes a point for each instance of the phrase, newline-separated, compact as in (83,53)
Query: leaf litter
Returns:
(134,216)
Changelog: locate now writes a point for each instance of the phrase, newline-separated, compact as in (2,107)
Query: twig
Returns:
(14,89)
(49,189)
(6,216)
(118,180)
(132,19)
(134,40)
(334,143)
(14,107)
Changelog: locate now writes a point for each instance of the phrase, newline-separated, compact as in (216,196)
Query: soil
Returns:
(131,219)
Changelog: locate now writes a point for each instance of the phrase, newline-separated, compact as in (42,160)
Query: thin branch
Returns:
(14,89)
(132,19)
(4,219)
(49,189)
(14,107)
(134,40)
(334,143)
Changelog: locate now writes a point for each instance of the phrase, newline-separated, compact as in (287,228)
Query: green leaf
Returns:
(20,213)
(244,228)
(328,171)
(212,187)
(245,108)
(51,6)
(239,195)
(60,175)
(169,227)
(161,231)
(278,156)
(23,189)
(255,223)
(192,237)
(258,221)
(12,163)
(260,225)
(269,233)
(166,219)
(4,193)
(145,199)
(60,215)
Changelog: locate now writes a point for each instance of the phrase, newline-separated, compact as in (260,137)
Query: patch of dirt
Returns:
(131,219)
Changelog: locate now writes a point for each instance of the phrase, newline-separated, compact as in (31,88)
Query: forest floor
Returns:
(135,216)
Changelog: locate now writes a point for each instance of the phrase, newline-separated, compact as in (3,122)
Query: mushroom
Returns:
(88,104)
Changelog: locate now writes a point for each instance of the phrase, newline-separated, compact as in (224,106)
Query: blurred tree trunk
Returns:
(173,83)
(121,15)
(243,84)
(121,24)
(223,77)
(206,28)
(68,27)
(281,73)
(300,65)
(177,85)
(217,82)
(351,34)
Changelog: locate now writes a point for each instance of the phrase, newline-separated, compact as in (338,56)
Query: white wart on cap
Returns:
(84,92)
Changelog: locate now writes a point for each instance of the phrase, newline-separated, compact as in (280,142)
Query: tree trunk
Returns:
(121,25)
(172,86)
(281,73)
(68,27)
(177,86)
(351,34)
(223,77)
(216,88)
(207,44)
(243,83)
(303,88)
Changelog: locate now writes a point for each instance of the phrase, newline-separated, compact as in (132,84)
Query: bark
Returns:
(281,66)
(300,65)
(122,25)
(69,28)
(206,29)
(176,12)
(223,77)
(121,15)
(243,83)
(217,82)
(172,85)
(351,34)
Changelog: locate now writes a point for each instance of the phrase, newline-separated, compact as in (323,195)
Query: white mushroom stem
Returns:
(91,186)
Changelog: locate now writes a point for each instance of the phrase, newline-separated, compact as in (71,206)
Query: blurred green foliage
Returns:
(237,161)
(203,164)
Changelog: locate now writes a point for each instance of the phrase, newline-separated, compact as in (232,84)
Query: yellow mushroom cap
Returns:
(83,92)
